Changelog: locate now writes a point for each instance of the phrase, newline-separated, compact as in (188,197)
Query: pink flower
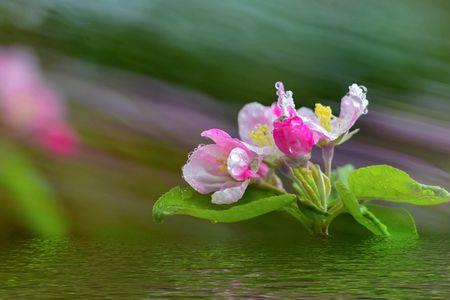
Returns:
(31,106)
(224,168)
(293,137)
(327,127)
(285,105)
(59,139)
(255,128)
(256,122)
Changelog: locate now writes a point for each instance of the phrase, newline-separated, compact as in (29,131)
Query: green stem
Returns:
(327,156)
(335,207)
(321,228)
(270,187)
(375,221)
(335,211)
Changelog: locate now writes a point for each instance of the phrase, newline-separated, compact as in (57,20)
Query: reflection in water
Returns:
(228,268)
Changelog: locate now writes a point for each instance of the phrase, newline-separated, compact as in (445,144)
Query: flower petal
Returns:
(293,137)
(263,170)
(310,119)
(238,164)
(223,139)
(353,105)
(231,194)
(285,101)
(216,135)
(307,114)
(252,115)
(206,169)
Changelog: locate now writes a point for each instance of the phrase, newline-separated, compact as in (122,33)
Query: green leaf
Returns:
(30,194)
(186,201)
(360,213)
(398,220)
(341,173)
(299,214)
(345,137)
(384,182)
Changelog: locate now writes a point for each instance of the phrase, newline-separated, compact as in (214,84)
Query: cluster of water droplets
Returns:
(285,99)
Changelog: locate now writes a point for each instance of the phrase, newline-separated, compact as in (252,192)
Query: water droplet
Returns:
(279,85)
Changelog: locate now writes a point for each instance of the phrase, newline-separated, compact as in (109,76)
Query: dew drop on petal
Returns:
(279,85)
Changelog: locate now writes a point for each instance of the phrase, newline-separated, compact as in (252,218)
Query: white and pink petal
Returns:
(230,193)
(206,169)
(310,119)
(250,117)
(353,105)
(223,139)
(238,164)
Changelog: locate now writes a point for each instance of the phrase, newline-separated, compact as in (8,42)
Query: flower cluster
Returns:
(31,106)
(272,137)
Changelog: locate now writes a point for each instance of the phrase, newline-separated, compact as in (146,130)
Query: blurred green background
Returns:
(144,78)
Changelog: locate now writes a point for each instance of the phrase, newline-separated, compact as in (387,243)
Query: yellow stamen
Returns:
(223,167)
(261,135)
(223,163)
(324,115)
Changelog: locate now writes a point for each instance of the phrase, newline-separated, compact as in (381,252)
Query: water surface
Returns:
(227,268)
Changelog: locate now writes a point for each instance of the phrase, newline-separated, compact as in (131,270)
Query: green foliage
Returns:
(303,215)
(29,193)
(341,174)
(360,213)
(380,220)
(351,191)
(186,201)
(398,220)
(384,182)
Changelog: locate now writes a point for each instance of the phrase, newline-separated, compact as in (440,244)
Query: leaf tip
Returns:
(161,209)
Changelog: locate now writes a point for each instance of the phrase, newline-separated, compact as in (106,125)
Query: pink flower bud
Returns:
(293,137)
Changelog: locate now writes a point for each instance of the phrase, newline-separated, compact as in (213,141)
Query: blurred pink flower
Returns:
(59,139)
(31,106)
(224,168)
